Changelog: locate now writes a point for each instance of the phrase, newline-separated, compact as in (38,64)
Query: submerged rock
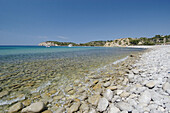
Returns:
(94,99)
(35,107)
(74,107)
(15,108)
(3,93)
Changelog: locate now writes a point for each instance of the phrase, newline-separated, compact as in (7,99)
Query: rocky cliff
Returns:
(118,42)
(47,44)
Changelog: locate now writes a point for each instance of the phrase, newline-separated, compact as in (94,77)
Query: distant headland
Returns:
(122,42)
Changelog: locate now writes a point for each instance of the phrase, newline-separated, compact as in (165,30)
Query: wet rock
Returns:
(166,87)
(60,110)
(124,106)
(108,94)
(74,107)
(35,107)
(15,108)
(3,93)
(102,105)
(47,111)
(145,97)
(151,84)
(113,109)
(94,99)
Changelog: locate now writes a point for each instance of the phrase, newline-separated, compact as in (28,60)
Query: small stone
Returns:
(16,107)
(150,84)
(112,87)
(118,92)
(94,99)
(113,109)
(47,111)
(74,107)
(108,94)
(124,106)
(35,107)
(102,105)
(124,94)
(166,87)
(107,84)
(145,97)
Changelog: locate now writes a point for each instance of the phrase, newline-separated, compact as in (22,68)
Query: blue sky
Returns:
(29,22)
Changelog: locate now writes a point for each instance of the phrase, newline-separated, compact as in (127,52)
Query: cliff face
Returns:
(47,44)
(118,42)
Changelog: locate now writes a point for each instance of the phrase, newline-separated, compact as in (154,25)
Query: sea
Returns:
(26,71)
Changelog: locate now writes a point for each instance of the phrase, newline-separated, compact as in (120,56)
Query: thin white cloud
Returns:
(62,37)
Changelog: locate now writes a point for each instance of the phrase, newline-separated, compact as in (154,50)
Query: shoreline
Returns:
(124,89)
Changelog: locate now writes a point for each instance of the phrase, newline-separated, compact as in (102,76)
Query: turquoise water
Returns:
(30,70)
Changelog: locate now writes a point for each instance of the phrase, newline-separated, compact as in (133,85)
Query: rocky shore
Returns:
(141,84)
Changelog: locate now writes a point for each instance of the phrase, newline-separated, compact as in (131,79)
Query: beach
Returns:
(136,83)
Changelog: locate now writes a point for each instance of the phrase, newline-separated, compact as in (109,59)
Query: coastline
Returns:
(127,88)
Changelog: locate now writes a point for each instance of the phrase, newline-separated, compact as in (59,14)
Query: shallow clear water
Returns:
(25,70)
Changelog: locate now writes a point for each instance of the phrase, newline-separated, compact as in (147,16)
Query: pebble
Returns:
(145,97)
(108,94)
(102,105)
(124,106)
(113,109)
(166,87)
(151,84)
